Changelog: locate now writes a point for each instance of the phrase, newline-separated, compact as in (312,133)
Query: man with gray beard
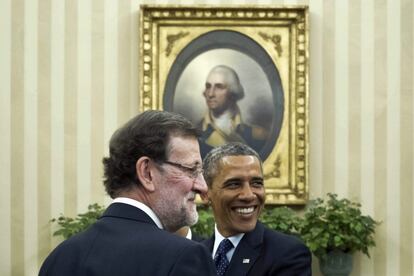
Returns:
(153,173)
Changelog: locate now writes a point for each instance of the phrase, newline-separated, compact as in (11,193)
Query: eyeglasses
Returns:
(193,172)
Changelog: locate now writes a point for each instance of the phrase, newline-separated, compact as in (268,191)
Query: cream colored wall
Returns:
(69,77)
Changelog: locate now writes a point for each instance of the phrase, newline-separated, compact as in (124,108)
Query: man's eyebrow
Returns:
(255,178)
(232,179)
(196,164)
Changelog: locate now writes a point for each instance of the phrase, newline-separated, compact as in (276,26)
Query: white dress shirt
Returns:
(233,239)
(147,210)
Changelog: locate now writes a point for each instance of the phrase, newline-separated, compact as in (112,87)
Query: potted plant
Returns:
(205,225)
(70,226)
(335,228)
(282,219)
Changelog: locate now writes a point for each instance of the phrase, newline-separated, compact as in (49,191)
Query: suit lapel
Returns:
(247,252)
(209,243)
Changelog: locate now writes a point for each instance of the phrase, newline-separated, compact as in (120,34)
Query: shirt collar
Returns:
(233,239)
(147,210)
(189,234)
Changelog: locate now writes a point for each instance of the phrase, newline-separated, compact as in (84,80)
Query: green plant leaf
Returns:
(337,224)
(70,226)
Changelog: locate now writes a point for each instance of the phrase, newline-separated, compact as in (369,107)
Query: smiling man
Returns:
(241,245)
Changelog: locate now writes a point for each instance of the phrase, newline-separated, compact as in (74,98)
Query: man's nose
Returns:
(210,92)
(247,193)
(200,184)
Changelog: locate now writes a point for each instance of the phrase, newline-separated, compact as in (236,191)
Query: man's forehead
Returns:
(238,168)
(185,148)
(180,141)
(216,77)
(239,160)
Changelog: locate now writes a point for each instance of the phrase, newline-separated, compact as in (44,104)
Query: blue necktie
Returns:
(220,260)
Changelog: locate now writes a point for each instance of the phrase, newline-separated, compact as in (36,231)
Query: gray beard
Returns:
(173,220)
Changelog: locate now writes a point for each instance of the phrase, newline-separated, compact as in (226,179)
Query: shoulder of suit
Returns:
(179,241)
(281,238)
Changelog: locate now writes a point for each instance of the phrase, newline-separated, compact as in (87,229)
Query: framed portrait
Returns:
(190,56)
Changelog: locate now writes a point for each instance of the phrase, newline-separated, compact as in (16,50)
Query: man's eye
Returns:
(231,185)
(194,169)
(257,183)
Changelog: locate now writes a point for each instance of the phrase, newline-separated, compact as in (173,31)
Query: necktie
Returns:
(220,260)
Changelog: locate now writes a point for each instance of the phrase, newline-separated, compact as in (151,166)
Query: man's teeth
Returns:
(245,210)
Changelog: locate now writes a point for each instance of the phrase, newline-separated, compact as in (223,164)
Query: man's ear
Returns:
(143,168)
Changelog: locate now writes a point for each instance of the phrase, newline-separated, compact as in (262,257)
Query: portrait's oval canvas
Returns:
(257,90)
(258,114)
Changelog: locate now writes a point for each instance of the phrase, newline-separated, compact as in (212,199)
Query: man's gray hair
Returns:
(232,80)
(212,161)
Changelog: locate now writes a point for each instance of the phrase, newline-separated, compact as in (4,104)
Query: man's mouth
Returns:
(245,210)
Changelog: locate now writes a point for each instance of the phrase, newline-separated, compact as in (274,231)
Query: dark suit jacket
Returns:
(125,241)
(268,253)
(196,237)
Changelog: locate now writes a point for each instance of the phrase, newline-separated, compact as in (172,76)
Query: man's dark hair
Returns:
(147,134)
(212,161)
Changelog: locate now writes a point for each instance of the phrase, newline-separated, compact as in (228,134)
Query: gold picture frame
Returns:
(268,45)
